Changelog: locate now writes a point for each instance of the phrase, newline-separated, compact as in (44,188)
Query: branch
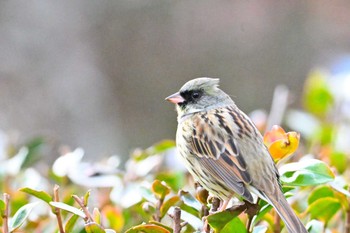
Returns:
(157,215)
(6,213)
(177,220)
(83,207)
(57,210)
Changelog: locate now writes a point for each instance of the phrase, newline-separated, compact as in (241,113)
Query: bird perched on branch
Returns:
(224,151)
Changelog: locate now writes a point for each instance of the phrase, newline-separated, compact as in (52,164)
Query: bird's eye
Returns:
(195,95)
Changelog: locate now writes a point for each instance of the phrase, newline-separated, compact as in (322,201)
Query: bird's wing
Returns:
(213,141)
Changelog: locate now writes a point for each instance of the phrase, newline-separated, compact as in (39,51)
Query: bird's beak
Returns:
(175,98)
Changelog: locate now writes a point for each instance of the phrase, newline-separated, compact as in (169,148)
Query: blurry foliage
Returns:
(154,194)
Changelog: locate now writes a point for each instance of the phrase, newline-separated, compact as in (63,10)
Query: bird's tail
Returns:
(292,222)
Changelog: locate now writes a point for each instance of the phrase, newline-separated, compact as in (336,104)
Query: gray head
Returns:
(198,95)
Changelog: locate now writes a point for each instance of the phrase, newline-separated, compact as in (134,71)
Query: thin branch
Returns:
(157,215)
(57,210)
(177,220)
(80,202)
(5,217)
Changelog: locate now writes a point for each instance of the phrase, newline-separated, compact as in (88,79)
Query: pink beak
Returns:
(175,98)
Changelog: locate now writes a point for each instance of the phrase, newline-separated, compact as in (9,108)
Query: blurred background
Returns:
(94,74)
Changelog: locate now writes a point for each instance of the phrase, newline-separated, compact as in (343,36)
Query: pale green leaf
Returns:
(306,173)
(21,215)
(68,208)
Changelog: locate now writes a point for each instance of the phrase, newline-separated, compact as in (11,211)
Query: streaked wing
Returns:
(218,151)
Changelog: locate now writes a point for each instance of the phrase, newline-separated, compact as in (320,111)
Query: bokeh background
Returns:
(95,74)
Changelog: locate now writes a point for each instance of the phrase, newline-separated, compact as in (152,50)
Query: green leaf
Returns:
(324,208)
(160,189)
(71,223)
(306,173)
(2,206)
(220,219)
(68,208)
(189,200)
(339,184)
(147,228)
(163,146)
(339,160)
(42,195)
(320,192)
(234,226)
(157,148)
(96,215)
(2,210)
(21,215)
(317,96)
(93,227)
(167,204)
(176,180)
(86,198)
(34,146)
(325,134)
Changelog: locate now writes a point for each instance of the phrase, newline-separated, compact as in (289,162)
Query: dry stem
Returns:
(6,213)
(57,210)
(80,202)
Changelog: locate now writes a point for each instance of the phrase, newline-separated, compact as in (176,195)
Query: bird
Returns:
(224,151)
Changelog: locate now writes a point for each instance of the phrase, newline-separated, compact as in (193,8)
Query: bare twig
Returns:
(57,210)
(157,215)
(5,217)
(177,220)
(183,224)
(215,204)
(80,202)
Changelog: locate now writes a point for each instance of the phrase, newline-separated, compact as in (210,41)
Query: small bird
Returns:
(224,151)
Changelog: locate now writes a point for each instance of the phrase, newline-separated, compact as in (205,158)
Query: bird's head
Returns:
(198,95)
